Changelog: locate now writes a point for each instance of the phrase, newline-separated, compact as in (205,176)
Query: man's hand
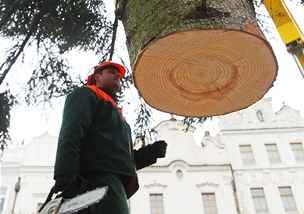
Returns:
(159,149)
(70,186)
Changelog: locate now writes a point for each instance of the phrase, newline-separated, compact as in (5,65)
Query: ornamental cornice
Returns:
(266,177)
(262,130)
(207,184)
(155,184)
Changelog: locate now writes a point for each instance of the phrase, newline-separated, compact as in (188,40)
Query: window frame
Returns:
(206,211)
(162,202)
(256,199)
(288,210)
(278,155)
(295,155)
(247,161)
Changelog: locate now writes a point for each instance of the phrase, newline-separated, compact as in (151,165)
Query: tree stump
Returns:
(197,57)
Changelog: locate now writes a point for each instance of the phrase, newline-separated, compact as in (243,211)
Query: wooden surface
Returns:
(198,61)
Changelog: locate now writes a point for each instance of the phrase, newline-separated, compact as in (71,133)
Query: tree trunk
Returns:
(199,53)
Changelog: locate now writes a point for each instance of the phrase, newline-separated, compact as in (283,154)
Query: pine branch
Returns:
(8,14)
(10,61)
(6,102)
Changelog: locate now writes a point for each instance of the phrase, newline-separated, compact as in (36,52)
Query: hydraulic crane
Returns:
(288,29)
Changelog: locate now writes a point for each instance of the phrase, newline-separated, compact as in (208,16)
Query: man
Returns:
(95,147)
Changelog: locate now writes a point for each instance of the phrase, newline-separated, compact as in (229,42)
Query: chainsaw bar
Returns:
(82,201)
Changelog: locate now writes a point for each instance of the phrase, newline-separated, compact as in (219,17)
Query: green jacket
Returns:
(95,139)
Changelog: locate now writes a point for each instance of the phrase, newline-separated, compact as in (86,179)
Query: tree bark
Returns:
(146,21)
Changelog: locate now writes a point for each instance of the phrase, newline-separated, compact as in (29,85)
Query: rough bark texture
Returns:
(145,21)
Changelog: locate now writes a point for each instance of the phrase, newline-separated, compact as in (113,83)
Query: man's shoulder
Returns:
(82,91)
(81,95)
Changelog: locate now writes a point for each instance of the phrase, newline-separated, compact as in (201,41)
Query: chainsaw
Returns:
(66,206)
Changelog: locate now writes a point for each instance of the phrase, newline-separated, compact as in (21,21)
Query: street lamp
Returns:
(17,190)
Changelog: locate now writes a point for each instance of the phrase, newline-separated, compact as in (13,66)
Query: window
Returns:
(260,115)
(273,153)
(2,198)
(157,203)
(287,199)
(209,203)
(179,174)
(298,151)
(247,154)
(259,200)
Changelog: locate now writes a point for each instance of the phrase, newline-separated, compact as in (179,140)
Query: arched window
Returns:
(260,115)
(179,174)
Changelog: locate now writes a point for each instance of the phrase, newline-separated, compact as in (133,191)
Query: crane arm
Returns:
(288,29)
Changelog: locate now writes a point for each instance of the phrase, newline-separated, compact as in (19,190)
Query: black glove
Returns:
(70,186)
(159,149)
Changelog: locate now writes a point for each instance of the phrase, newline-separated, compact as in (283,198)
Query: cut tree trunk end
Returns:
(198,58)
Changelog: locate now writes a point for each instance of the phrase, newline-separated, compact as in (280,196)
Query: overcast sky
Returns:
(27,122)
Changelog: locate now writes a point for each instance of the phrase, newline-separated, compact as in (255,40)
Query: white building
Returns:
(267,154)
(254,165)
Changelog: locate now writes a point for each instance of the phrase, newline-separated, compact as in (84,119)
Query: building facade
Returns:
(267,154)
(255,164)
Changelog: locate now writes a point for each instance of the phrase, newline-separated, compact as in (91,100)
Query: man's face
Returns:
(109,78)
